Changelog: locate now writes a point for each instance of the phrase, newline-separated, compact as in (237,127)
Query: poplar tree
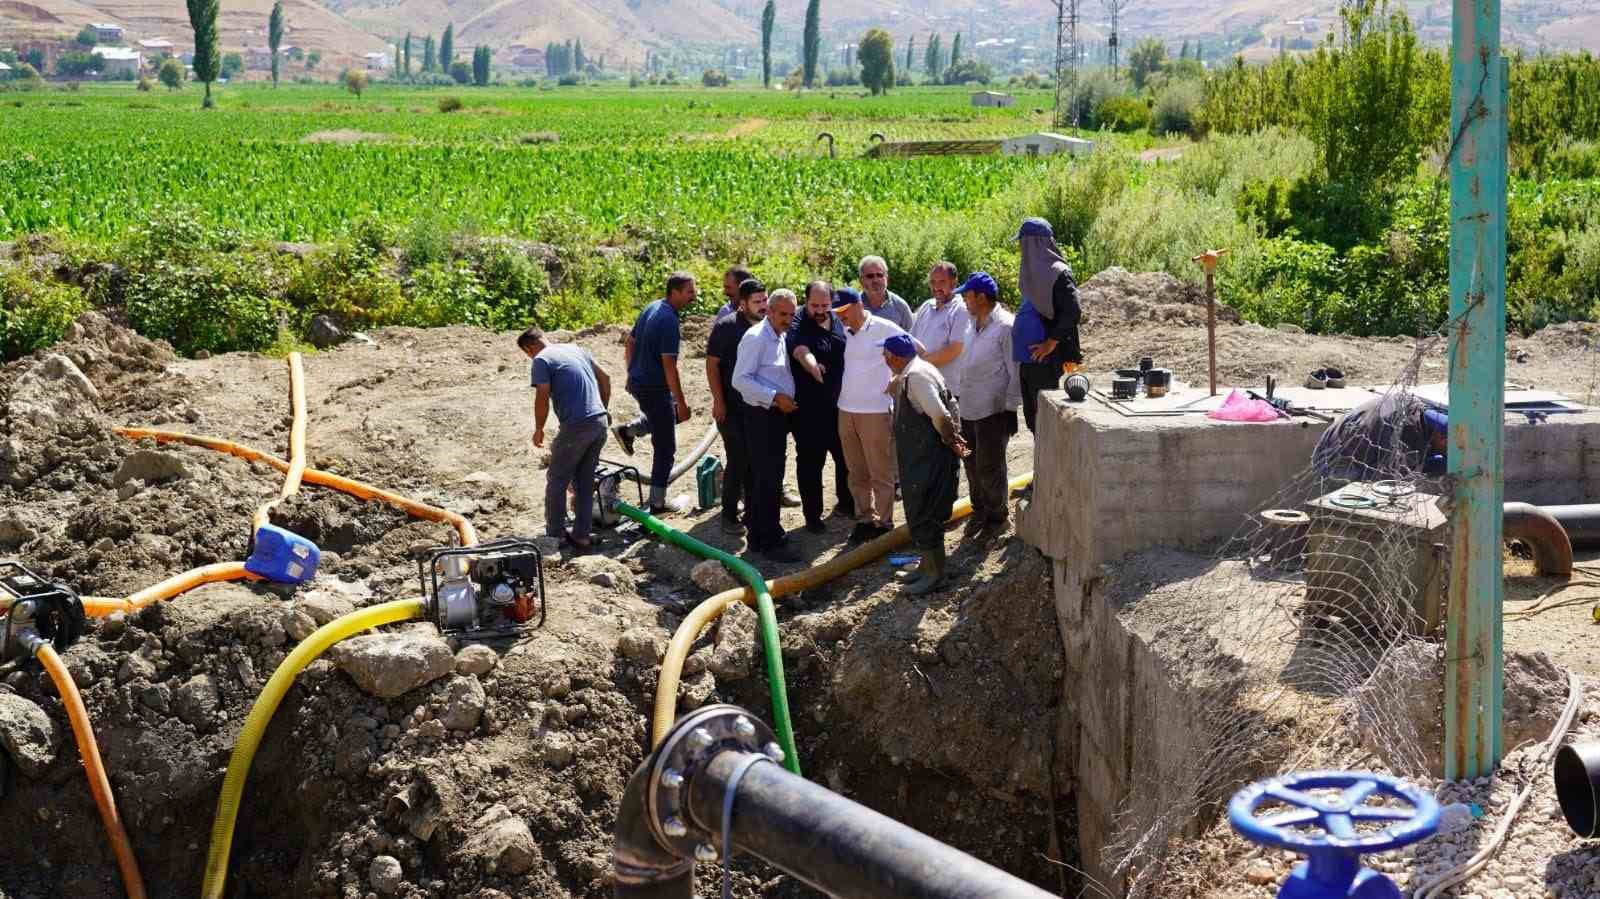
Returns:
(931,59)
(207,59)
(955,50)
(427,54)
(408,54)
(447,47)
(769,19)
(812,41)
(275,36)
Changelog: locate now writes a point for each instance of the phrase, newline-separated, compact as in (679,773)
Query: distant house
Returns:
(377,62)
(257,58)
(526,58)
(1046,143)
(292,52)
(119,60)
(992,98)
(5,72)
(158,47)
(106,33)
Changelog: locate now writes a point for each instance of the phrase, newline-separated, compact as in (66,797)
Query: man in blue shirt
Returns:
(581,390)
(652,356)
(763,379)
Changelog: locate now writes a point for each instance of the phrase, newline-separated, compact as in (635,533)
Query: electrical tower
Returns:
(1066,63)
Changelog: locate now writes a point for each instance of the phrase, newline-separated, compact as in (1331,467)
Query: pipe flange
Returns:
(1393,489)
(1286,517)
(688,747)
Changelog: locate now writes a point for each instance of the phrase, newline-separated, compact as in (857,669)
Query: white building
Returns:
(993,98)
(105,32)
(377,62)
(119,60)
(1046,143)
(157,46)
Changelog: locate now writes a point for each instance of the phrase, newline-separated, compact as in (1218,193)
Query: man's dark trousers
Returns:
(660,421)
(986,466)
(736,473)
(1036,376)
(767,440)
(816,437)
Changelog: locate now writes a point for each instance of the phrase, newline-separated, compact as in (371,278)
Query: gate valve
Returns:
(38,612)
(1333,829)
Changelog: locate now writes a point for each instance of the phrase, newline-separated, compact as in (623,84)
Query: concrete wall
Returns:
(1107,485)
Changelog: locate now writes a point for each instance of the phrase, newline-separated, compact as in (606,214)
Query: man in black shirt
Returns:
(817,347)
(727,407)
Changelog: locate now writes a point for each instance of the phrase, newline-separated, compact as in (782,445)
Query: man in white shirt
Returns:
(990,392)
(764,381)
(866,421)
(928,443)
(940,324)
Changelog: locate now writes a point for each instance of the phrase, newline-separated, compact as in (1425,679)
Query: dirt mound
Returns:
(1116,295)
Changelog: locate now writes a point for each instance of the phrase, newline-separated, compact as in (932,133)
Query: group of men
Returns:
(899,401)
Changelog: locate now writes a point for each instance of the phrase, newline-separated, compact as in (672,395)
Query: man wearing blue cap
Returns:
(763,378)
(1044,336)
(929,448)
(1391,437)
(990,392)
(866,421)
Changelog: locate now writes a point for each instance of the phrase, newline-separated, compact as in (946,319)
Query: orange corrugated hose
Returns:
(99,784)
(358,489)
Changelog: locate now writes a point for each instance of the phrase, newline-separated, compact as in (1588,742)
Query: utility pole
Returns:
(1066,63)
(1473,651)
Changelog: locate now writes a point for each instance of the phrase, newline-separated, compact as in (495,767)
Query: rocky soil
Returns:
(403,765)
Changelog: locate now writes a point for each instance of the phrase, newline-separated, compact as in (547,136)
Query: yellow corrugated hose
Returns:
(255,725)
(710,609)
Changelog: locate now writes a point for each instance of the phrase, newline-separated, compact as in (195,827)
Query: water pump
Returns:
(38,611)
(608,478)
(490,590)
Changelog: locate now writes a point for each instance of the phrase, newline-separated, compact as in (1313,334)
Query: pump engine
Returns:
(39,611)
(608,478)
(490,590)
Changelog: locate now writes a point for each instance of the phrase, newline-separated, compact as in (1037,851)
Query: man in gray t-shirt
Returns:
(568,377)
(878,298)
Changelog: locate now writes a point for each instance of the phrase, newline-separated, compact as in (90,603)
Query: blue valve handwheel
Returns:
(1336,816)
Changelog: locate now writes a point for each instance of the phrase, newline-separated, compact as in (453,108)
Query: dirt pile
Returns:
(1118,296)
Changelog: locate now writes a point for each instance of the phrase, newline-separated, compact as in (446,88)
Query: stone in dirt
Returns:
(476,659)
(503,844)
(324,332)
(644,645)
(733,656)
(14,531)
(28,734)
(1261,874)
(385,875)
(151,467)
(197,700)
(52,389)
(324,607)
(605,572)
(464,703)
(392,664)
(712,576)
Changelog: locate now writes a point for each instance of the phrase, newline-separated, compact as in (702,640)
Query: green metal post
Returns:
(1473,667)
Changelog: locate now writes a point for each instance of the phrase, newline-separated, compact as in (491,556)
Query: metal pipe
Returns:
(641,868)
(836,845)
(1552,549)
(1582,523)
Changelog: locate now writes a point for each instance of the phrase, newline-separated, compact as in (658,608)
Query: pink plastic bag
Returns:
(1238,407)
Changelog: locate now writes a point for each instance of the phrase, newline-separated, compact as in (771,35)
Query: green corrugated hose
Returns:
(765,611)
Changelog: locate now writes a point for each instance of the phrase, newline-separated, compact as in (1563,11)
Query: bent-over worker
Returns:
(581,391)
(1394,436)
(929,447)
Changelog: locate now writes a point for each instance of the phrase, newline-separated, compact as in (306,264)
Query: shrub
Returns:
(713,78)
(449,104)
(146,85)
(513,285)
(1160,230)
(1124,114)
(442,294)
(1174,112)
(217,302)
(34,312)
(355,81)
(539,137)
(460,71)
(571,81)
(427,239)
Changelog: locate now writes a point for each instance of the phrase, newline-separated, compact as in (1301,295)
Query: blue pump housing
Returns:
(282,556)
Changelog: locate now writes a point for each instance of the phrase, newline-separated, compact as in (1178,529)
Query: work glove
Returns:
(1011,423)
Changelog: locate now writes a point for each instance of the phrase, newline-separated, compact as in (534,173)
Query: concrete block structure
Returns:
(119,61)
(993,99)
(1046,143)
(1123,504)
(106,32)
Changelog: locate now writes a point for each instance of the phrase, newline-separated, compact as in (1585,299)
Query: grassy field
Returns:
(301,162)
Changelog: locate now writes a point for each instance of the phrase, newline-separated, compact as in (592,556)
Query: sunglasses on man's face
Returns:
(875,275)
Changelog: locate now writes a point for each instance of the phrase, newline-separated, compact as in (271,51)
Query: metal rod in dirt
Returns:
(1478,129)
(838,846)
(1208,261)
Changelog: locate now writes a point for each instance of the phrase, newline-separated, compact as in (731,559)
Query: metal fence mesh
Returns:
(1326,598)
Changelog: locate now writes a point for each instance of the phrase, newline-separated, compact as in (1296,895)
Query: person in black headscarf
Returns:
(1044,336)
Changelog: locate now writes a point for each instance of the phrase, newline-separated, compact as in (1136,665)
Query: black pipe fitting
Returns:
(672,813)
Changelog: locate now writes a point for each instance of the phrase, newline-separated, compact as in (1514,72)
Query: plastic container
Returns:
(283,556)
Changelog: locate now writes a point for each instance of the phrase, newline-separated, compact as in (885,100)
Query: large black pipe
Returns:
(838,846)
(642,869)
(1582,523)
(1544,534)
